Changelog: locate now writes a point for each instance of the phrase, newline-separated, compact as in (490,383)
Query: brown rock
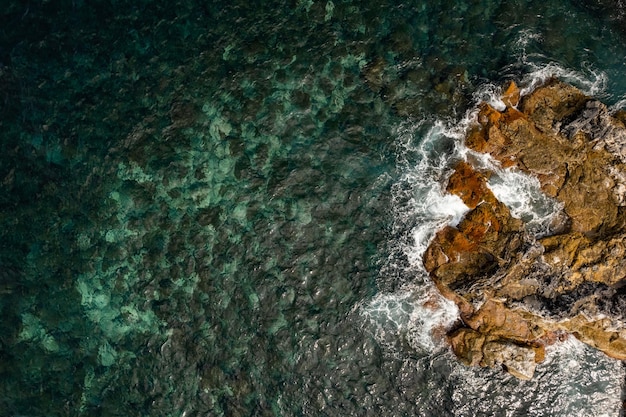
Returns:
(495,319)
(476,349)
(453,256)
(470,185)
(598,334)
(517,360)
(517,294)
(468,344)
(481,238)
(540,353)
(550,104)
(511,95)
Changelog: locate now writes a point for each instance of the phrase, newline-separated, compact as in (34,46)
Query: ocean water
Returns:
(220,208)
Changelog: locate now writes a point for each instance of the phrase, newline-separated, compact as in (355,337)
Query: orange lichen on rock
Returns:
(470,185)
(511,95)
(488,115)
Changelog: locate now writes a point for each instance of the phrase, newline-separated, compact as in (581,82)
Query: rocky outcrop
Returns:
(516,291)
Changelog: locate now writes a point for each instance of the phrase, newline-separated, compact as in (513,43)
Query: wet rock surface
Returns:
(516,291)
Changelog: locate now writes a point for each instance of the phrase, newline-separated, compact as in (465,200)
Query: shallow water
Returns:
(220,209)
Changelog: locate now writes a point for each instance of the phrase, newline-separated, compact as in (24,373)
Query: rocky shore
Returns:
(518,291)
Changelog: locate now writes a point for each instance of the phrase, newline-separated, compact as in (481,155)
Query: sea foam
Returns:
(414,316)
(522,194)
(591,82)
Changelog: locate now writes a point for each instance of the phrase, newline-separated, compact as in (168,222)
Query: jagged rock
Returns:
(469,185)
(481,239)
(517,360)
(548,106)
(511,95)
(516,291)
(476,349)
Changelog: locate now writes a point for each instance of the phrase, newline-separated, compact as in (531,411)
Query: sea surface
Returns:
(220,208)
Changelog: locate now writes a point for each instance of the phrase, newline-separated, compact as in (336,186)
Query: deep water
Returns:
(219,208)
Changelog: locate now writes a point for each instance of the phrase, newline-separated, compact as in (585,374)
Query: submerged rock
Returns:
(518,292)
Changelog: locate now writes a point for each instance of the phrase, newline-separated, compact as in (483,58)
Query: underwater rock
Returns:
(515,290)
(373,74)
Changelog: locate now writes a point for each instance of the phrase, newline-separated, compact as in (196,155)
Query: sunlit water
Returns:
(222,209)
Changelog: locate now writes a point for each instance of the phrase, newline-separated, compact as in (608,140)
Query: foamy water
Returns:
(620,105)
(418,316)
(523,196)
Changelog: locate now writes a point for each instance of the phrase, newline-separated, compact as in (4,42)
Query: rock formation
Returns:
(518,292)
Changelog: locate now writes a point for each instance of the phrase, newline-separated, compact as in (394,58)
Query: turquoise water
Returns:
(218,208)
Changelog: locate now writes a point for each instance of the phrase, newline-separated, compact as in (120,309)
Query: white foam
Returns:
(490,94)
(419,317)
(427,157)
(522,194)
(591,82)
(620,105)
(415,313)
(540,68)
(524,39)
(434,210)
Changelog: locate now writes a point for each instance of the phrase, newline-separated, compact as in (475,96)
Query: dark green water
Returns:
(209,208)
